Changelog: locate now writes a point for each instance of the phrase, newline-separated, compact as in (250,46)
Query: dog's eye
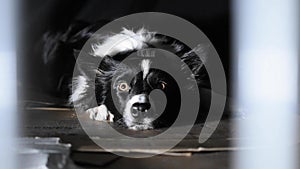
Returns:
(123,86)
(163,85)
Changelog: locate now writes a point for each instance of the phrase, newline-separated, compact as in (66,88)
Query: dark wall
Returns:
(38,17)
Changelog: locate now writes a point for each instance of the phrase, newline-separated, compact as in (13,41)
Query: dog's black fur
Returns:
(112,70)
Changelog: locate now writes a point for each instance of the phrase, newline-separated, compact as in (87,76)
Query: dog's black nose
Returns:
(142,107)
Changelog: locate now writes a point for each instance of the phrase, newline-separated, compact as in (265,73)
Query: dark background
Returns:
(40,80)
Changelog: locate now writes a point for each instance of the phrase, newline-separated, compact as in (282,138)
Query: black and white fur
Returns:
(133,96)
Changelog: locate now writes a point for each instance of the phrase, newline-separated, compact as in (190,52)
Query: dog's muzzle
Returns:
(140,106)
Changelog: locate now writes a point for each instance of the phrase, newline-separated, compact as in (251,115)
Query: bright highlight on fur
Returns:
(126,40)
(80,87)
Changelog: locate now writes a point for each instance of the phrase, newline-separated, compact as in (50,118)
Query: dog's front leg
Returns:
(100,113)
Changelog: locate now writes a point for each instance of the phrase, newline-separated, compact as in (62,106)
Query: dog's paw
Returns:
(100,113)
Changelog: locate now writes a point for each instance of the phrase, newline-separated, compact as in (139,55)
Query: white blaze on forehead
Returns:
(145,65)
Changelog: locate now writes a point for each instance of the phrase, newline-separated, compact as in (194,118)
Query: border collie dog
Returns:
(133,107)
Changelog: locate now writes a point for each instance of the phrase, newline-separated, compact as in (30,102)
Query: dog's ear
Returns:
(108,64)
(195,60)
(91,67)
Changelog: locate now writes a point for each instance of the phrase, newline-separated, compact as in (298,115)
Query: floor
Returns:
(63,123)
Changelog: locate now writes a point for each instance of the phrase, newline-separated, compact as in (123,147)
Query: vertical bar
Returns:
(266,74)
(7,85)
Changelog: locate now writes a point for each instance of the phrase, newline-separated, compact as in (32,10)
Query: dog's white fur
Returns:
(100,113)
(126,40)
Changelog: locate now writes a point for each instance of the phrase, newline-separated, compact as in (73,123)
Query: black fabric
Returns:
(47,75)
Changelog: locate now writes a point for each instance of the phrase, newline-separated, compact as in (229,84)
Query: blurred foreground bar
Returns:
(266,79)
(8,84)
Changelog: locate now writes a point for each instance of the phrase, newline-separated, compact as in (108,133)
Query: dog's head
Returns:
(134,88)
